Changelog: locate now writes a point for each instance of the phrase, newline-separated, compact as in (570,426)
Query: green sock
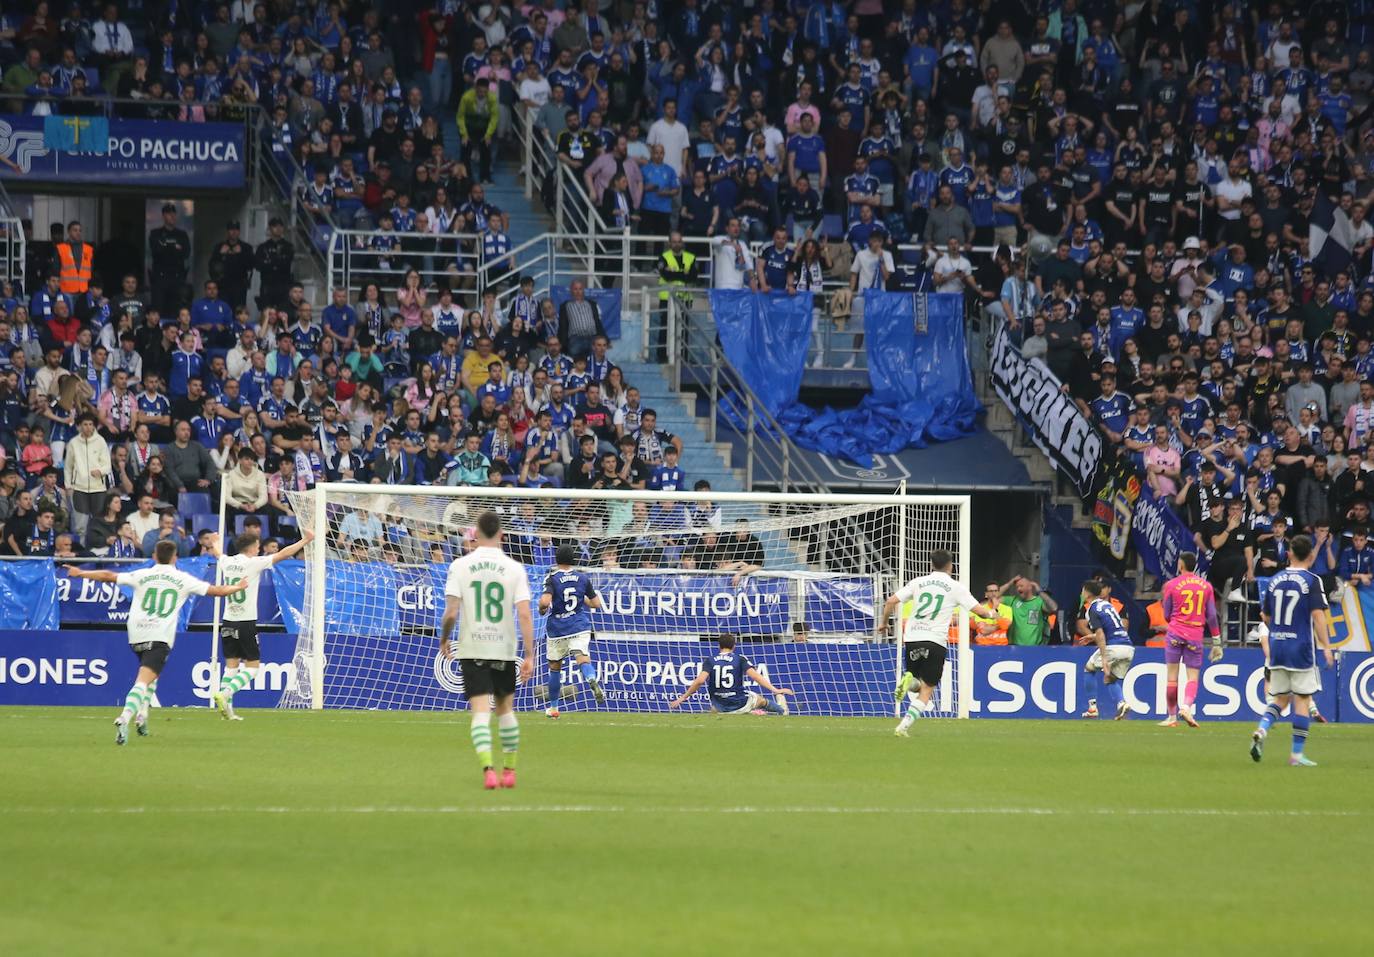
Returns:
(237,682)
(481,740)
(147,701)
(134,701)
(510,739)
(224,677)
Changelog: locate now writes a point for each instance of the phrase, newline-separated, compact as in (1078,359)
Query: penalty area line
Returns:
(693,809)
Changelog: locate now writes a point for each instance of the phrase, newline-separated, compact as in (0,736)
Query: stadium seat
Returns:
(832,226)
(287,521)
(240,519)
(194,503)
(201,522)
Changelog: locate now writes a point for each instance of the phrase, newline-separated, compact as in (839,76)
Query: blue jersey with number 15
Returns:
(725,677)
(568,611)
(1292,597)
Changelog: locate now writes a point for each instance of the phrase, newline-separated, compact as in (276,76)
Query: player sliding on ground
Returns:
(493,594)
(934,599)
(159,593)
(1114,654)
(1189,604)
(1296,624)
(238,632)
(724,676)
(567,600)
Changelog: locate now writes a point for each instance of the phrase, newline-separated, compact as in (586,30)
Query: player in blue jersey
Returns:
(1114,653)
(568,599)
(724,675)
(1296,623)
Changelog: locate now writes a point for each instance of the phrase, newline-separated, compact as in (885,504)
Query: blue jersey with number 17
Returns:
(568,611)
(1292,597)
(725,677)
(1102,615)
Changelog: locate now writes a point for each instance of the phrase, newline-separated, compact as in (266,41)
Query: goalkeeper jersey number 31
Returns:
(490,584)
(933,599)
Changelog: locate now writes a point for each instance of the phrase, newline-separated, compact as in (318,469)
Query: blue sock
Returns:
(1090,686)
(588,670)
(770,707)
(1116,694)
(1301,722)
(1271,714)
(555,687)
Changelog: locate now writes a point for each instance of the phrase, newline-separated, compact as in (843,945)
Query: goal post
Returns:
(797,578)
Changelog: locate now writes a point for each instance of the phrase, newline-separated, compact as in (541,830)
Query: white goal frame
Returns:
(318,549)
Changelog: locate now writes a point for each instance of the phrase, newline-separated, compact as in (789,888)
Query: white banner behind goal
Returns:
(794,577)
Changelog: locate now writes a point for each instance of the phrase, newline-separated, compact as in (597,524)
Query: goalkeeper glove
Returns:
(1215,654)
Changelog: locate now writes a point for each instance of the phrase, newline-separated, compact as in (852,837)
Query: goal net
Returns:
(794,578)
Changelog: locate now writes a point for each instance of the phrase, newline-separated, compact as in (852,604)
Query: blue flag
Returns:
(77,134)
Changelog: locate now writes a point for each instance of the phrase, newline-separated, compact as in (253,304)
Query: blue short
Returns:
(733,704)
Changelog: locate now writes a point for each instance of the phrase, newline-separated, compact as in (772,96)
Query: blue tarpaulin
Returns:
(607,300)
(922,385)
(28,595)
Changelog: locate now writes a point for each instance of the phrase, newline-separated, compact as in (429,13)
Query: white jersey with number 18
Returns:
(490,584)
(159,593)
(243,606)
(934,599)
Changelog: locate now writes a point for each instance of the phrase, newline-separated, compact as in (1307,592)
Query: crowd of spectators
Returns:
(1182,171)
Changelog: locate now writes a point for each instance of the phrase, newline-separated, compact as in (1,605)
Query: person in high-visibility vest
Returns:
(74,260)
(676,267)
(986,631)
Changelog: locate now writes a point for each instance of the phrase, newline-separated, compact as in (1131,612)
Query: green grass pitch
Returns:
(369,833)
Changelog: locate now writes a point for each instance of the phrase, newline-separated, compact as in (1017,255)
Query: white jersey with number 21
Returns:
(934,599)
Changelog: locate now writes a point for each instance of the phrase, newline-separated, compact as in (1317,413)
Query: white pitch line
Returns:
(688,809)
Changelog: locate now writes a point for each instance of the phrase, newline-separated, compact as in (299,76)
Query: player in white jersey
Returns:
(934,598)
(159,593)
(492,592)
(238,630)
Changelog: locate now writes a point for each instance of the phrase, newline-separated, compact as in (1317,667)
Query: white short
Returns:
(1119,658)
(756,701)
(577,644)
(1308,681)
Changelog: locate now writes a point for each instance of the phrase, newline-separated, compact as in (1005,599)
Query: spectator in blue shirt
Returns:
(213,317)
(668,477)
(186,363)
(1356,564)
(1112,409)
(661,184)
(806,154)
(340,322)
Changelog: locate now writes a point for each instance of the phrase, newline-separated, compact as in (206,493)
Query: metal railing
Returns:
(278,179)
(13,244)
(736,414)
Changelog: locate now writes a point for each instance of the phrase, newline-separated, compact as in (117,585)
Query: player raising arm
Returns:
(724,676)
(491,591)
(1114,653)
(925,638)
(1189,605)
(239,629)
(159,593)
(1295,617)
(568,596)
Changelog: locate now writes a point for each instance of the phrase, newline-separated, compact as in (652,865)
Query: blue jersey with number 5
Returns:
(568,611)
(725,677)
(1292,597)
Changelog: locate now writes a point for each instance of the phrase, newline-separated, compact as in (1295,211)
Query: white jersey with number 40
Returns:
(933,599)
(159,593)
(243,606)
(490,584)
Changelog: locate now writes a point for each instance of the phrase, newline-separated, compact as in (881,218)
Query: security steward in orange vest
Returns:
(74,260)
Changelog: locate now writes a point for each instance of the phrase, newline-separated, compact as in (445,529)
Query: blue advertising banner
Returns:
(119,152)
(82,601)
(636,676)
(1048,683)
(27,595)
(607,300)
(96,668)
(1356,687)
(1159,535)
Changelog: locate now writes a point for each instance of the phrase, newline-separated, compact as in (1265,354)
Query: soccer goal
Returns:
(794,578)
